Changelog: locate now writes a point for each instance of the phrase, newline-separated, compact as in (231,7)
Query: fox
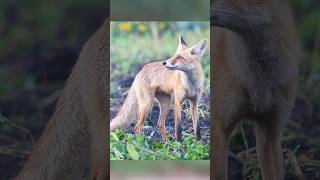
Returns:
(176,79)
(256,54)
(74,143)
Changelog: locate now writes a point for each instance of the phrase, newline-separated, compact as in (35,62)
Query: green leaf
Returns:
(316,141)
(132,152)
(118,153)
(114,136)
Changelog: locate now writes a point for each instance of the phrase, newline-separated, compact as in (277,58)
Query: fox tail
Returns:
(127,112)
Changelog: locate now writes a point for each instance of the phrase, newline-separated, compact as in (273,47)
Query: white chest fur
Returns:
(191,85)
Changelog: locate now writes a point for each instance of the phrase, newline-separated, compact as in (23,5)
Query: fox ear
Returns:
(199,48)
(182,44)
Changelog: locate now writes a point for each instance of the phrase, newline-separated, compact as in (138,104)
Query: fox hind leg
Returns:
(145,104)
(222,134)
(164,101)
(270,157)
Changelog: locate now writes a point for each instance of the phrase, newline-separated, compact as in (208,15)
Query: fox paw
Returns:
(165,134)
(137,129)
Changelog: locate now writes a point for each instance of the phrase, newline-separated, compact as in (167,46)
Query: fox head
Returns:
(241,15)
(185,58)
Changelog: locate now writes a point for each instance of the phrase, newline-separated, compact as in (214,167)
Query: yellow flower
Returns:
(125,26)
(142,28)
(162,25)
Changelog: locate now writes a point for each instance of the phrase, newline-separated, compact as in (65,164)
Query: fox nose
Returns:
(164,63)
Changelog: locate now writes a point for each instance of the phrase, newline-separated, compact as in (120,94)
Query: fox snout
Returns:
(170,65)
(167,63)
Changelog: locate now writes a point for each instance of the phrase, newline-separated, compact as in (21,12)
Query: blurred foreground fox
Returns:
(180,77)
(75,139)
(255,68)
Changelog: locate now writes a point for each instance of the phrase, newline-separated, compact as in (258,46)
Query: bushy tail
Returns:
(127,113)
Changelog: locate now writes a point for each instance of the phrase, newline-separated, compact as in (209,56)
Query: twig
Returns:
(294,163)
(27,131)
(246,154)
(51,98)
(12,150)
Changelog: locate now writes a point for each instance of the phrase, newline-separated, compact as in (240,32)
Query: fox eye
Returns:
(193,53)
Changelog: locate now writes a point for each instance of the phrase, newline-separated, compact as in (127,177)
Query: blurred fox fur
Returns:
(75,138)
(254,76)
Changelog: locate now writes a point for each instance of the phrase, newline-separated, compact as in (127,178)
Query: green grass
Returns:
(124,146)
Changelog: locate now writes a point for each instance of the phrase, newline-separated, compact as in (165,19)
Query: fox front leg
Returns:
(177,119)
(195,117)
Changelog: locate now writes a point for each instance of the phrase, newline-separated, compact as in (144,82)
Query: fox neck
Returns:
(195,77)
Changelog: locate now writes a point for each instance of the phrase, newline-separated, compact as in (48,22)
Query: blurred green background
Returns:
(30,24)
(160,10)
